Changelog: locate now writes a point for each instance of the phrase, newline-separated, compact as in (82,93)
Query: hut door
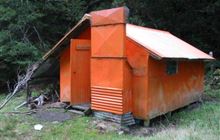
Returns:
(80,53)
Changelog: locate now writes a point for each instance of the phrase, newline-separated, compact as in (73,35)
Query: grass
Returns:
(202,122)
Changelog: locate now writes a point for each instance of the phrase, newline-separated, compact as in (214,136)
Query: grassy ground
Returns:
(202,122)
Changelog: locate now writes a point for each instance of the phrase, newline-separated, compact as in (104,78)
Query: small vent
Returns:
(107,99)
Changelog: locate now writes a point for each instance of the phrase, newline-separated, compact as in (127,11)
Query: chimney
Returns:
(110,77)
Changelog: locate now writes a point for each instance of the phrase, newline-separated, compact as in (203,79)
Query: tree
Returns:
(28,28)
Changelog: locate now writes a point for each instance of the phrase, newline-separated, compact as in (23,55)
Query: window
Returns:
(171,67)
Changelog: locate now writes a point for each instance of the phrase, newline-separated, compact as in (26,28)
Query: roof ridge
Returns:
(148,28)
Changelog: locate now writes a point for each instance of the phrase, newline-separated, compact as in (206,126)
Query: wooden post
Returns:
(28,92)
(146,123)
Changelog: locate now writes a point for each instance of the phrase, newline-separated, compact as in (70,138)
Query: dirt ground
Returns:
(52,116)
(136,130)
(196,121)
(56,113)
(53,112)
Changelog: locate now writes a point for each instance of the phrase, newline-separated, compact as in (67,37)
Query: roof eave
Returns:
(85,20)
(188,59)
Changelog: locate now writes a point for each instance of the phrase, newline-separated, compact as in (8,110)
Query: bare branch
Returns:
(39,37)
(8,85)
(21,83)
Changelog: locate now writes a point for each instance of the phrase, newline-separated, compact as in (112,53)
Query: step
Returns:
(81,107)
(76,112)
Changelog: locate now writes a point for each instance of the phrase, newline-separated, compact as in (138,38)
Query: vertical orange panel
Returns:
(127,90)
(107,72)
(138,60)
(109,87)
(108,41)
(65,76)
(80,71)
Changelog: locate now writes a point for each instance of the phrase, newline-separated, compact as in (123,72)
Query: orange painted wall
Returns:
(108,41)
(137,58)
(85,34)
(106,88)
(111,85)
(127,90)
(169,92)
(65,69)
(65,75)
(109,16)
(154,91)
(110,73)
(107,73)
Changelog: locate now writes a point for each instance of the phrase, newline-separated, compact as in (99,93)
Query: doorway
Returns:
(80,53)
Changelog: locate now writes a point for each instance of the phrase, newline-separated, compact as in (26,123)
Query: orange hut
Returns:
(125,71)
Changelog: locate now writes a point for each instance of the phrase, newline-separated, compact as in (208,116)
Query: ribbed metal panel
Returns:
(125,119)
(107,99)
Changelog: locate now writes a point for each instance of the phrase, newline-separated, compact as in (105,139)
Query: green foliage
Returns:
(29,28)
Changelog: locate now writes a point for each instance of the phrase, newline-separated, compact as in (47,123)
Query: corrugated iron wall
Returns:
(107,99)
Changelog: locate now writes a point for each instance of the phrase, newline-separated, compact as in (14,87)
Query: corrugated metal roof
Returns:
(163,44)
(160,43)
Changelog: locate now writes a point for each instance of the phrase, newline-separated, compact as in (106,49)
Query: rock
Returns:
(57,105)
(55,122)
(38,127)
(101,126)
(120,132)
(125,130)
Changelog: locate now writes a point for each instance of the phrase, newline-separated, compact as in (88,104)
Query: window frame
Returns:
(172,67)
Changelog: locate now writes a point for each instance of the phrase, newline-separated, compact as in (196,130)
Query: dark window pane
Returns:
(172,67)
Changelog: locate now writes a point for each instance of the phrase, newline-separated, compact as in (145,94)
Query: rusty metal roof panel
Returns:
(163,44)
